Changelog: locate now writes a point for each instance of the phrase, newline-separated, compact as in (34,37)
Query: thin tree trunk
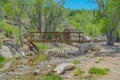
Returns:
(38,17)
(20,37)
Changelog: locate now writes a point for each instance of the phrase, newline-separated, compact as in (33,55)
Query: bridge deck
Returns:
(56,37)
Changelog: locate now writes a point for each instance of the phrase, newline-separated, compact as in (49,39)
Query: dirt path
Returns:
(110,59)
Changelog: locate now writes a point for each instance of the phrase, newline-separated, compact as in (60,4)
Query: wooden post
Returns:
(79,37)
(55,37)
(68,37)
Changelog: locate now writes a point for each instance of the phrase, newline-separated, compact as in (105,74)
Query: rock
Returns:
(36,72)
(84,48)
(100,38)
(11,43)
(7,73)
(88,38)
(6,52)
(65,52)
(60,69)
(12,70)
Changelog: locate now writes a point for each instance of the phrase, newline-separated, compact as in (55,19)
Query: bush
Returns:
(98,71)
(52,76)
(78,72)
(76,62)
(9,28)
(8,33)
(2,61)
(42,46)
(92,30)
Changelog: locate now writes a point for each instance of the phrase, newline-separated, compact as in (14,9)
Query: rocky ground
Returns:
(17,69)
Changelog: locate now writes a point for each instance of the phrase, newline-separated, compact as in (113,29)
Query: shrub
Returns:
(2,61)
(9,28)
(98,71)
(52,76)
(78,72)
(8,33)
(76,62)
(42,46)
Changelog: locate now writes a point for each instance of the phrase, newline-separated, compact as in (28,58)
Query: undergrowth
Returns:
(8,28)
(78,72)
(3,60)
(52,76)
(41,58)
(98,71)
(1,43)
(76,62)
(42,46)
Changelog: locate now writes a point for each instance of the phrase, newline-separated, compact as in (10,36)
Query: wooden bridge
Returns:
(66,37)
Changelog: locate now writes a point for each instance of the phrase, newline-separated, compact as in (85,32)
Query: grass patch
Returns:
(90,56)
(76,62)
(89,77)
(99,60)
(52,76)
(42,46)
(9,28)
(3,60)
(98,71)
(41,58)
(78,72)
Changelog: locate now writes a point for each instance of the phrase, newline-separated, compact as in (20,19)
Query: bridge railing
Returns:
(56,37)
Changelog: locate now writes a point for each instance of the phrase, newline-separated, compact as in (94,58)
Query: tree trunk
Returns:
(38,17)
(110,37)
(117,37)
(20,37)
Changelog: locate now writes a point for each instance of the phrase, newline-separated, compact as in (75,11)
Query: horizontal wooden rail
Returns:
(56,37)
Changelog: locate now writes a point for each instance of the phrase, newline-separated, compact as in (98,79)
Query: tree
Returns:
(53,14)
(34,11)
(15,10)
(110,14)
(45,14)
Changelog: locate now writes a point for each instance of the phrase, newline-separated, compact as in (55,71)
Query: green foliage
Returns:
(8,28)
(41,58)
(78,72)
(42,46)
(7,33)
(2,61)
(98,71)
(84,21)
(74,12)
(1,43)
(92,30)
(76,62)
(52,76)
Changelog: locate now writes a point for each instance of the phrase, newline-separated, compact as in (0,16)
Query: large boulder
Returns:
(60,69)
(6,52)
(84,48)
(9,42)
